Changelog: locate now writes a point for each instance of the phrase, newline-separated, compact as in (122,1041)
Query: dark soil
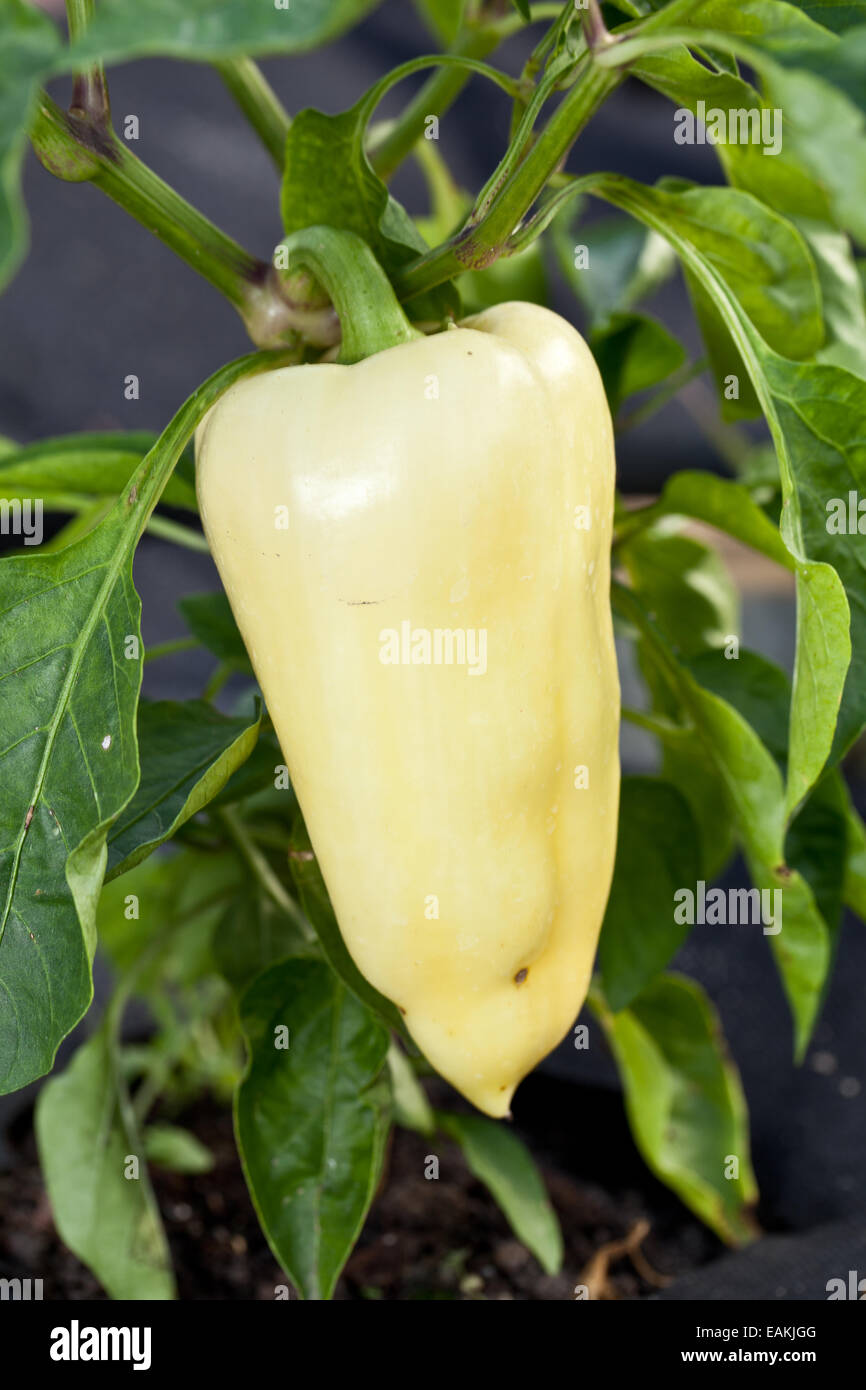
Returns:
(423,1239)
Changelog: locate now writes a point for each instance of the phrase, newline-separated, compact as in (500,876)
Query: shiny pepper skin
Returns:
(463,813)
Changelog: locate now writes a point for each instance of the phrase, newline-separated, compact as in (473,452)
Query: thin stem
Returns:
(169,530)
(73,148)
(438,93)
(259,102)
(220,677)
(477,246)
(597,34)
(261,869)
(177,644)
(102,159)
(90,91)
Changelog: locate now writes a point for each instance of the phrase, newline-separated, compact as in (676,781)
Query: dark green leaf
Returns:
(307,877)
(188,751)
(254,934)
(626,263)
(755,792)
(685,1102)
(500,1160)
(311,1116)
(105,1214)
(837,15)
(657,853)
(634,352)
(209,618)
(173,902)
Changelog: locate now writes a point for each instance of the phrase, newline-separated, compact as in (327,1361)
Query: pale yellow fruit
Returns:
(464,818)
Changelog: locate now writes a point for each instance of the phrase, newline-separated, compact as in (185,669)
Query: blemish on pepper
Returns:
(521,976)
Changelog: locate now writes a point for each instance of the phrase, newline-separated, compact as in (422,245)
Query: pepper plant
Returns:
(166,835)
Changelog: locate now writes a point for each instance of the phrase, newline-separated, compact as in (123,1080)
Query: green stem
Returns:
(90,92)
(476,246)
(370,315)
(75,149)
(438,93)
(259,102)
(169,530)
(69,146)
(261,869)
(177,644)
(221,675)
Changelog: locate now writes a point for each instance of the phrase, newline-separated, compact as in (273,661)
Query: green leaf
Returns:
(501,1161)
(827,134)
(159,920)
(28,44)
(626,263)
(685,585)
(781,180)
(854,890)
(86,1132)
(91,465)
(329,180)
(684,1101)
(634,352)
(728,506)
(188,751)
(522,8)
(521,276)
(842,294)
(170,1146)
(657,853)
(754,789)
(209,618)
(813,414)
(69,682)
(307,878)
(837,15)
(254,934)
(210,29)
(412,1109)
(311,1117)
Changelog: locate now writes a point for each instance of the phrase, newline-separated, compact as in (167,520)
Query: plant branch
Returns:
(597,33)
(261,869)
(177,644)
(259,102)
(90,90)
(479,244)
(438,93)
(75,149)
